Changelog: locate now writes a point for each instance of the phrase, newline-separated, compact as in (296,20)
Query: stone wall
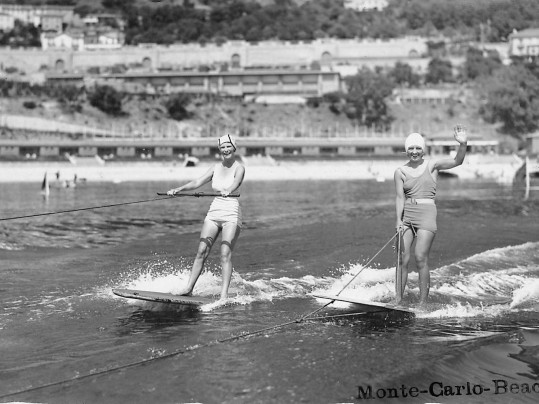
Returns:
(234,53)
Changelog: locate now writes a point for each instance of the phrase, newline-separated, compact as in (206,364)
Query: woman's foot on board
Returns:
(402,302)
(185,292)
(423,307)
(223,297)
(223,301)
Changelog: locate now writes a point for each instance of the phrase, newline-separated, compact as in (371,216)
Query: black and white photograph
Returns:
(269,201)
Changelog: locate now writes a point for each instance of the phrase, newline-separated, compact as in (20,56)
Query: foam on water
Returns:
(517,258)
(527,295)
(10,246)
(162,276)
(485,284)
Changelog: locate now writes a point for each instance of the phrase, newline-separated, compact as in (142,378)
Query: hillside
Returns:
(252,119)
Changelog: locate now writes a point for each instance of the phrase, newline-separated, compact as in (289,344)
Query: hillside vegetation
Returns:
(249,119)
(504,97)
(169,21)
(500,100)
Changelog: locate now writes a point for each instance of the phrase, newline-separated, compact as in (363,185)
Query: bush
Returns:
(313,102)
(107,99)
(29,104)
(177,106)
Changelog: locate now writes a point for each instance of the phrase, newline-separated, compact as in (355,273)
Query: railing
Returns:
(39,128)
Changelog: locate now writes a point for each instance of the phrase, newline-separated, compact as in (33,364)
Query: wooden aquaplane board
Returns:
(368,307)
(162,297)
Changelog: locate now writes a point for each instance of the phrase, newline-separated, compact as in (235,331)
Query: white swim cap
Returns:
(414,139)
(228,139)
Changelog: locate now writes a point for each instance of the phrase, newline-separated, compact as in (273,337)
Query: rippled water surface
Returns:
(65,338)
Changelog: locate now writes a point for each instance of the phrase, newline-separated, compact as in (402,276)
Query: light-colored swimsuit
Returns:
(224,210)
(419,209)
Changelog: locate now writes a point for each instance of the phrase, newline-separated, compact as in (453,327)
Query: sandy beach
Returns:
(499,168)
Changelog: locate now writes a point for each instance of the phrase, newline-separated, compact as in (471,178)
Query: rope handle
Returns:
(198,194)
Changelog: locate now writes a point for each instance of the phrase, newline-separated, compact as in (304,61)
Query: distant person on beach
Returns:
(224,215)
(415,186)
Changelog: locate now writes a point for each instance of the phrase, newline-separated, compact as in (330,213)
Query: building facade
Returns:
(235,54)
(430,96)
(63,40)
(307,83)
(7,22)
(34,14)
(52,23)
(110,149)
(532,144)
(524,43)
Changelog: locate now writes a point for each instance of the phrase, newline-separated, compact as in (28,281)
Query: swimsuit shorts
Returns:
(420,216)
(225,210)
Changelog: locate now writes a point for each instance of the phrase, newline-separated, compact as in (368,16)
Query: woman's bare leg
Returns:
(229,236)
(422,250)
(208,234)
(407,240)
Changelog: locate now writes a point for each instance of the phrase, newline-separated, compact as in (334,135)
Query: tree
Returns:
(402,74)
(366,98)
(336,101)
(84,9)
(512,95)
(477,64)
(107,99)
(439,71)
(118,4)
(68,95)
(177,106)
(22,35)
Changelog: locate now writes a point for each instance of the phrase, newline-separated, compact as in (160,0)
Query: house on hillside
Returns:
(78,39)
(52,23)
(7,22)
(524,43)
(500,48)
(103,39)
(104,20)
(532,144)
(71,39)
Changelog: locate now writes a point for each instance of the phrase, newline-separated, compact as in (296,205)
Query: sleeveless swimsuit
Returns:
(224,210)
(420,215)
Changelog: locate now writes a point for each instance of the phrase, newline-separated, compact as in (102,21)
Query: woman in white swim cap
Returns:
(415,186)
(224,215)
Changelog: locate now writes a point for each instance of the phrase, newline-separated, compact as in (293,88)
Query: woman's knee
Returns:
(203,250)
(226,256)
(226,250)
(422,258)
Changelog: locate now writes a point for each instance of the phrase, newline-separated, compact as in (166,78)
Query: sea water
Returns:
(65,338)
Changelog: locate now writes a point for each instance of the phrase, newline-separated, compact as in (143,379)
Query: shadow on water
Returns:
(382,321)
(148,320)
(455,331)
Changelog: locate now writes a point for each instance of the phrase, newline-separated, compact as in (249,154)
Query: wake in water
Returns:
(164,277)
(487,284)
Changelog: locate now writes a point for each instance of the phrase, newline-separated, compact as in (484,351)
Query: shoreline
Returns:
(498,168)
